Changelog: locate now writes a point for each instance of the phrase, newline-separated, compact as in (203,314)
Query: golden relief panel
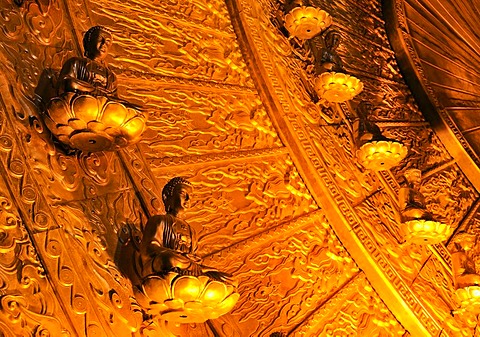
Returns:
(449,195)
(324,142)
(425,151)
(33,38)
(186,119)
(64,178)
(356,310)
(101,300)
(381,219)
(155,44)
(235,201)
(297,267)
(434,287)
(211,14)
(28,303)
(252,210)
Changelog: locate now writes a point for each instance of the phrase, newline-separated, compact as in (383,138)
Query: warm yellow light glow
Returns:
(186,299)
(425,232)
(469,298)
(306,22)
(94,124)
(381,155)
(337,87)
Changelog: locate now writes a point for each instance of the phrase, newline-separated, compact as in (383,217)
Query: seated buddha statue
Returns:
(171,281)
(463,261)
(412,201)
(91,74)
(86,112)
(169,243)
(330,60)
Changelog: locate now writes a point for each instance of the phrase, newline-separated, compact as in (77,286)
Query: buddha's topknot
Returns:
(87,38)
(170,186)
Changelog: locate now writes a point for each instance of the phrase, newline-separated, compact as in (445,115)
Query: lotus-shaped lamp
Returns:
(425,231)
(418,224)
(185,298)
(381,154)
(306,22)
(337,87)
(94,124)
(468,298)
(375,151)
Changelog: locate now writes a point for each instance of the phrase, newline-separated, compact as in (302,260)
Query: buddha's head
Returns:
(96,43)
(332,39)
(413,177)
(176,195)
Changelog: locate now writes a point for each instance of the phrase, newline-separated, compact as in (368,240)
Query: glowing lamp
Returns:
(468,298)
(425,232)
(418,224)
(94,124)
(380,155)
(306,22)
(185,298)
(337,87)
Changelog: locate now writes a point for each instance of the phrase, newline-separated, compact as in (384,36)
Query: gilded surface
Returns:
(297,267)
(187,120)
(203,48)
(279,200)
(449,195)
(330,148)
(28,302)
(354,310)
(236,201)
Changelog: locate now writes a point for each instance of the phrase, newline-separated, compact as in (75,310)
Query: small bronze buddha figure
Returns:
(463,263)
(412,202)
(85,112)
(171,280)
(330,60)
(91,74)
(169,243)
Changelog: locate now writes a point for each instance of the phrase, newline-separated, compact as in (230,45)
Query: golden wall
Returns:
(279,200)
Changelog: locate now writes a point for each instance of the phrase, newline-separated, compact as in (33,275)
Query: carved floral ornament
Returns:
(80,105)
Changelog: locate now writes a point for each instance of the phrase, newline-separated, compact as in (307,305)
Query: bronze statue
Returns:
(463,261)
(90,75)
(169,243)
(81,106)
(170,281)
(330,60)
(412,201)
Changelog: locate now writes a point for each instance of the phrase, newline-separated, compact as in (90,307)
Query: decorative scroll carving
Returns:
(238,200)
(33,38)
(296,267)
(449,195)
(155,44)
(187,121)
(354,310)
(28,303)
(88,230)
